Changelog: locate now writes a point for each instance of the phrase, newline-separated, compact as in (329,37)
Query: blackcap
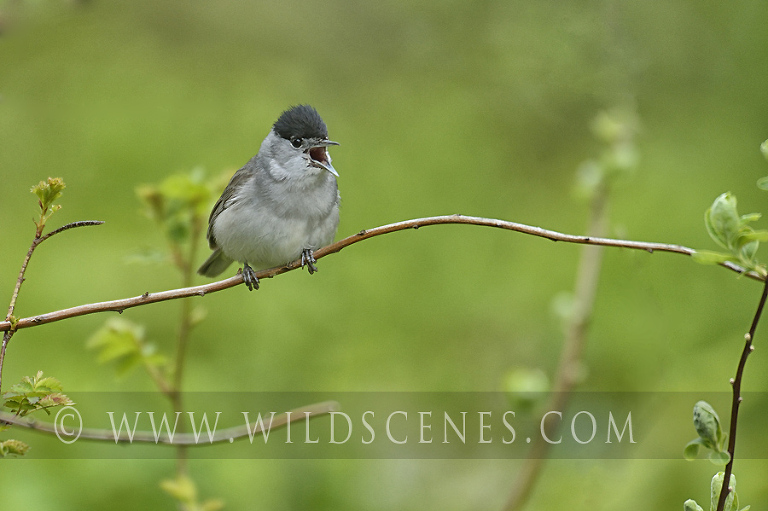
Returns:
(282,205)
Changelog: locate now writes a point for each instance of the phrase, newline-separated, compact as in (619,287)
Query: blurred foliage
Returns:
(480,107)
(124,343)
(184,490)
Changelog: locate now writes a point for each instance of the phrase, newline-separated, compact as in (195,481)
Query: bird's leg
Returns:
(249,277)
(308,260)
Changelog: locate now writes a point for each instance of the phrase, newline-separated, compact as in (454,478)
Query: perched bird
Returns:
(282,205)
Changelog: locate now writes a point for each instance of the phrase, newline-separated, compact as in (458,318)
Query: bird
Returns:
(282,205)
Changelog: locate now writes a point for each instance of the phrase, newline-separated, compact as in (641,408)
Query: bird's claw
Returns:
(249,277)
(308,260)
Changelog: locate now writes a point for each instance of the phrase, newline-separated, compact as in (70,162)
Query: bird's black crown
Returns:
(300,121)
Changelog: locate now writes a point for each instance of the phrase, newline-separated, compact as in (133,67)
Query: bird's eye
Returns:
(296,142)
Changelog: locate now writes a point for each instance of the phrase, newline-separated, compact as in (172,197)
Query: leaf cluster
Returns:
(616,130)
(125,344)
(178,203)
(711,435)
(35,393)
(731,501)
(47,193)
(31,394)
(732,232)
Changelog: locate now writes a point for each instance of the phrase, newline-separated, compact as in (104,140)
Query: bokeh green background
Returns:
(478,107)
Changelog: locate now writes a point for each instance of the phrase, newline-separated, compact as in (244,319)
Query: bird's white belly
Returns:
(263,240)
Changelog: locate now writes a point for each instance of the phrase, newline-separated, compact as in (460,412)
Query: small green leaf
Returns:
(198,315)
(719,458)
(123,343)
(722,220)
(762,183)
(751,235)
(716,486)
(764,149)
(691,450)
(55,399)
(750,217)
(691,505)
(35,393)
(747,253)
(48,384)
(212,505)
(710,257)
(182,489)
(48,191)
(116,340)
(13,447)
(707,424)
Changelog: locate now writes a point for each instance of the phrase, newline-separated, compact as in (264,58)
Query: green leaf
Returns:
(716,486)
(747,253)
(123,343)
(55,399)
(691,450)
(182,489)
(13,447)
(48,191)
(212,505)
(722,220)
(197,315)
(691,505)
(35,393)
(118,339)
(710,257)
(764,149)
(762,183)
(752,235)
(707,424)
(750,217)
(719,458)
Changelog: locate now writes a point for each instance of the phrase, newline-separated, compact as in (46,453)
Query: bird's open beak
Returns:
(319,157)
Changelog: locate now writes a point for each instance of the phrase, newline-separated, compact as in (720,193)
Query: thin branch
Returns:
(736,384)
(186,266)
(147,298)
(71,225)
(185,439)
(6,338)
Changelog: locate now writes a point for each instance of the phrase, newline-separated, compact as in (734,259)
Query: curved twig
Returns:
(146,298)
(186,439)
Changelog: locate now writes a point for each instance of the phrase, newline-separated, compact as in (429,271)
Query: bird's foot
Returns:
(249,277)
(308,260)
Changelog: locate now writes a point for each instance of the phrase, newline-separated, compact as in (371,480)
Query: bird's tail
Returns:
(215,264)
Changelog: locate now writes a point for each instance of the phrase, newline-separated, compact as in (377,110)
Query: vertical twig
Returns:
(737,399)
(6,337)
(573,346)
(182,340)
